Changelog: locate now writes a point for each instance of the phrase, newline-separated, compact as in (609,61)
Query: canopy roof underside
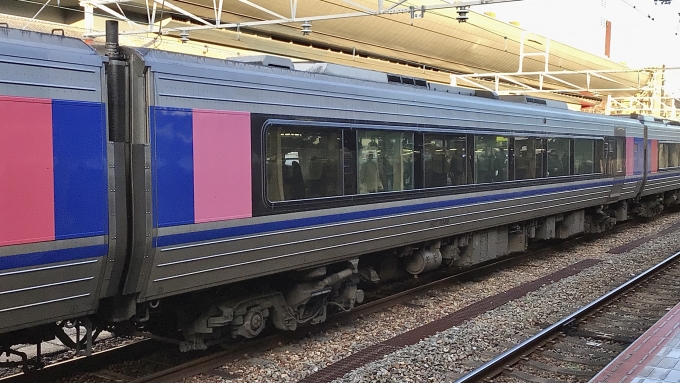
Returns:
(437,40)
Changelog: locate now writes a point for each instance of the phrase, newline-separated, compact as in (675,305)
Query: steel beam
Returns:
(278,18)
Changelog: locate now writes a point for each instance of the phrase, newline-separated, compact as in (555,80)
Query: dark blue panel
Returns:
(638,155)
(173,166)
(664,174)
(206,235)
(52,256)
(80,171)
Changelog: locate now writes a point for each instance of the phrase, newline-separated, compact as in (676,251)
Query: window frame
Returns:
(382,184)
(346,129)
(543,143)
(475,175)
(348,136)
(667,144)
(446,137)
(296,124)
(593,152)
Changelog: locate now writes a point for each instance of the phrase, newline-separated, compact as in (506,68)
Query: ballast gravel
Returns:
(456,351)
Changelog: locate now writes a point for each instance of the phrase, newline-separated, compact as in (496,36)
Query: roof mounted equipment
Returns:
(523,99)
(265,60)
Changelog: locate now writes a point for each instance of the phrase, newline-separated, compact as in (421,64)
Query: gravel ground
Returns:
(54,351)
(447,355)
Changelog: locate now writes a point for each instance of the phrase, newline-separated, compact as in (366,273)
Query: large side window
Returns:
(385,161)
(663,155)
(584,156)
(303,162)
(669,155)
(528,158)
(674,156)
(491,159)
(559,157)
(445,160)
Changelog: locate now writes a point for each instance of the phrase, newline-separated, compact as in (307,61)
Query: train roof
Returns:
(369,84)
(48,47)
(359,90)
(46,66)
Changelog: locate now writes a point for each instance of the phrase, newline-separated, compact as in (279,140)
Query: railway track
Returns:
(166,365)
(578,346)
(160,363)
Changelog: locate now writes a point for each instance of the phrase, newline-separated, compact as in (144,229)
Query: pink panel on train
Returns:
(26,171)
(654,154)
(630,155)
(222,165)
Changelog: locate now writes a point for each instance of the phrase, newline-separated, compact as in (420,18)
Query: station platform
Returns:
(654,357)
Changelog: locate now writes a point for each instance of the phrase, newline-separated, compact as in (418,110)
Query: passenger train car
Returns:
(209,199)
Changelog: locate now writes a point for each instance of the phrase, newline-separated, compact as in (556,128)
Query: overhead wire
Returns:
(36,15)
(650,16)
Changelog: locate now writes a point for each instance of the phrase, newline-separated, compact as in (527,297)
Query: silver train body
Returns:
(180,202)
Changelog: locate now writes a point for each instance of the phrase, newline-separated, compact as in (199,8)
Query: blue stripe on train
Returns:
(52,256)
(206,235)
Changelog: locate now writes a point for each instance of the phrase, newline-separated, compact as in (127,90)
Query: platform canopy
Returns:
(423,34)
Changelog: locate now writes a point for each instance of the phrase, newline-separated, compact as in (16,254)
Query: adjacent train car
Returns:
(56,239)
(662,176)
(223,197)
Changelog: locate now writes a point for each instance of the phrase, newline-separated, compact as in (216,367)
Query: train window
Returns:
(349,153)
(559,150)
(673,155)
(528,158)
(303,162)
(663,156)
(445,160)
(385,161)
(669,155)
(598,164)
(491,159)
(610,156)
(620,154)
(584,156)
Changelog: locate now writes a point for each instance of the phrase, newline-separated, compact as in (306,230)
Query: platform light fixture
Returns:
(417,13)
(306,28)
(462,14)
(184,36)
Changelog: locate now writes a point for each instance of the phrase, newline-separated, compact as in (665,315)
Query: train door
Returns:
(615,161)
(55,177)
(646,162)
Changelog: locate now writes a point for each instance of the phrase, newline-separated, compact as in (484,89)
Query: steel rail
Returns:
(209,362)
(512,354)
(544,248)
